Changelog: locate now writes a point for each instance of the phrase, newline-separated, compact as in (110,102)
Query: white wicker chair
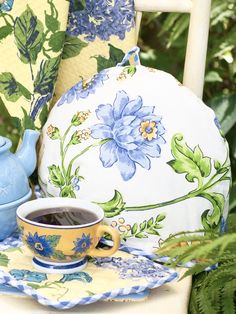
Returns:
(195,58)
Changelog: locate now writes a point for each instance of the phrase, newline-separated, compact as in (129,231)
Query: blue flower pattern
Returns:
(40,244)
(82,244)
(101,18)
(132,268)
(133,132)
(84,88)
(31,276)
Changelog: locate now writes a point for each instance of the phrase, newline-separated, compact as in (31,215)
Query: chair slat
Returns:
(163,5)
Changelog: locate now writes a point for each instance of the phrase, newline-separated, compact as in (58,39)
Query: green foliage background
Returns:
(163,43)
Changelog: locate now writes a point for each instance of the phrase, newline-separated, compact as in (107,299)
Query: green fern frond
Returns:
(228,295)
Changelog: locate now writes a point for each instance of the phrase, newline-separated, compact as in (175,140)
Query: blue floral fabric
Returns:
(101,18)
(133,132)
(84,88)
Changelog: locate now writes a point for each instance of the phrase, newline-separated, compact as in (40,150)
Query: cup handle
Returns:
(116,242)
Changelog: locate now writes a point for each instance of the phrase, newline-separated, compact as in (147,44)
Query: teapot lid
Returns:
(2,141)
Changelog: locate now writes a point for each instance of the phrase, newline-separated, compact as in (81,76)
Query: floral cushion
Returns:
(146,149)
(36,36)
(97,37)
(31,40)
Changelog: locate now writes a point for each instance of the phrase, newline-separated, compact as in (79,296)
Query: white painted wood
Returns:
(163,5)
(138,19)
(195,59)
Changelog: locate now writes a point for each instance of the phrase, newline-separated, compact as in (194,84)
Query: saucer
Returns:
(122,274)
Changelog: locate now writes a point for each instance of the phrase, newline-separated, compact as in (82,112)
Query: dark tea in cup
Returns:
(63,216)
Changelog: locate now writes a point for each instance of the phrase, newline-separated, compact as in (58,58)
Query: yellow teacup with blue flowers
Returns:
(62,232)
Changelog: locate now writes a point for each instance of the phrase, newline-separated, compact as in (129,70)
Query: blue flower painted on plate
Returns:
(84,88)
(32,276)
(80,276)
(82,244)
(40,244)
(133,132)
(101,18)
(6,5)
(75,184)
(133,268)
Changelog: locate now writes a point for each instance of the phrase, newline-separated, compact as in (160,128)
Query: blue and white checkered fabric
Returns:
(7,279)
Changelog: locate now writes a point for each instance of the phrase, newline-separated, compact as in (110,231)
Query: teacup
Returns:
(59,248)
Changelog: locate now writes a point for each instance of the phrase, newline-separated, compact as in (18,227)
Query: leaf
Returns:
(232,196)
(225,109)
(52,23)
(67,191)
(34,285)
(152,231)
(5,31)
(187,161)
(9,87)
(43,115)
(41,102)
(160,217)
(115,56)
(59,255)
(134,228)
(213,76)
(56,41)
(29,37)
(140,235)
(46,76)
(27,122)
(217,200)
(150,222)
(56,176)
(4,260)
(143,225)
(24,91)
(72,47)
(53,239)
(113,207)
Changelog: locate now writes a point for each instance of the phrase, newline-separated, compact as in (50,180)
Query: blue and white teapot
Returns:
(145,148)
(14,172)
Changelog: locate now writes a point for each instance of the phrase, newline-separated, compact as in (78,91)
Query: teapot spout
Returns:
(26,154)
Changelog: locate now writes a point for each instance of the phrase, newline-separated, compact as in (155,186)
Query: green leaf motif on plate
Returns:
(46,76)
(72,47)
(56,41)
(211,219)
(191,162)
(11,89)
(114,206)
(56,176)
(29,36)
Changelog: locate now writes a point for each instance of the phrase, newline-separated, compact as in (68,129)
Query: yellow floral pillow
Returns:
(32,35)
